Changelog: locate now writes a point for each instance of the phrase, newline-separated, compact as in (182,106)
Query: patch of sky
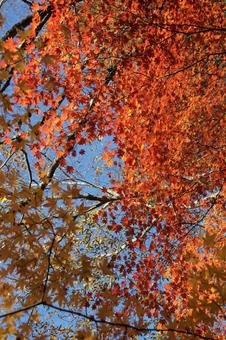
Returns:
(13,11)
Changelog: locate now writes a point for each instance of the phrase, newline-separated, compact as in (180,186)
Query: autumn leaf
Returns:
(10,45)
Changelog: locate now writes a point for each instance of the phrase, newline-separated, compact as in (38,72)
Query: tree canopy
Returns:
(112,162)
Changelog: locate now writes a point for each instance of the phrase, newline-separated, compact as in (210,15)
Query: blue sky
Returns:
(14,11)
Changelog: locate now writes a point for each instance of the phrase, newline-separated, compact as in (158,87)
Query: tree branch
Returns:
(25,22)
(191,65)
(28,167)
(123,325)
(48,268)
(172,28)
(27,2)
(103,321)
(6,161)
(44,15)
(24,309)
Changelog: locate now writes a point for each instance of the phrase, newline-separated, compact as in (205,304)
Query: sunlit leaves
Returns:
(133,235)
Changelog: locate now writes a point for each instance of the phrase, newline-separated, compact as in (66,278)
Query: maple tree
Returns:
(130,242)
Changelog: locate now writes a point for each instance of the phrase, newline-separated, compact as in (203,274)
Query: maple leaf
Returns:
(35,7)
(70,169)
(10,45)
(82,152)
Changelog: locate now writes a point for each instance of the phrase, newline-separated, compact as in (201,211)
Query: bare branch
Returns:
(20,310)
(6,161)
(28,167)
(48,268)
(2,3)
(123,325)
(27,2)
(25,23)
(18,26)
(205,58)
(44,15)
(103,321)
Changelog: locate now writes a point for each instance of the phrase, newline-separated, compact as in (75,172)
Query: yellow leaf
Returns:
(3,199)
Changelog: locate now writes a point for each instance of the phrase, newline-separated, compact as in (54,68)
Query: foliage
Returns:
(129,242)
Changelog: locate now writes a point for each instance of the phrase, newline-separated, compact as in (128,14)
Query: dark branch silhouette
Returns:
(102,321)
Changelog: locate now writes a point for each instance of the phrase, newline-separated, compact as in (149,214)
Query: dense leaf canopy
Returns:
(112,169)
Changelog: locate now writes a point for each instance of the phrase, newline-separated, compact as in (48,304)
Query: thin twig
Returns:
(24,309)
(28,167)
(48,269)
(6,161)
